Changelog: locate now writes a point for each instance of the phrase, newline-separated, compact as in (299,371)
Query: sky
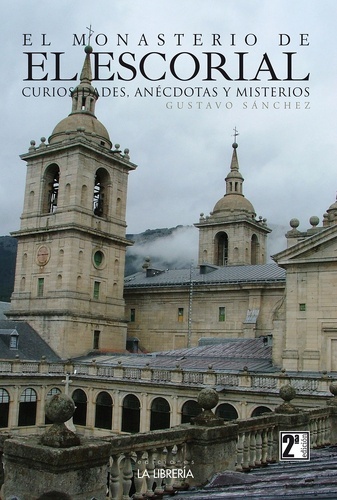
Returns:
(182,145)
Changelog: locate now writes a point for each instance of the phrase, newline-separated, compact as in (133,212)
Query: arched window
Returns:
(190,409)
(226,411)
(4,408)
(54,390)
(80,414)
(27,407)
(130,414)
(103,414)
(100,197)
(221,249)
(254,249)
(259,410)
(51,189)
(160,414)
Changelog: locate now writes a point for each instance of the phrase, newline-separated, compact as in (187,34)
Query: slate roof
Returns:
(263,273)
(315,479)
(229,355)
(30,347)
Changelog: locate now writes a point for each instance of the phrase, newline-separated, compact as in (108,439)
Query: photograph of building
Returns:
(133,352)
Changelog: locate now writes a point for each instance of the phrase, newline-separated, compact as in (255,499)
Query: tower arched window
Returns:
(100,196)
(221,249)
(51,188)
(254,250)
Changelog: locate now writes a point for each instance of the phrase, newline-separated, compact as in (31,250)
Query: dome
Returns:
(333,207)
(81,122)
(233,204)
(82,119)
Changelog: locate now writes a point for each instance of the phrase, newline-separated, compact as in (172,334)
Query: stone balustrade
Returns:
(184,456)
(189,455)
(304,384)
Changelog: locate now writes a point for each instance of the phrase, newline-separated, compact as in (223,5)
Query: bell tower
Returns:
(71,243)
(231,234)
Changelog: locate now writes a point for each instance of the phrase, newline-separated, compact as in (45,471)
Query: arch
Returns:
(4,407)
(160,414)
(51,182)
(84,195)
(100,200)
(221,249)
(67,191)
(79,283)
(60,257)
(24,261)
(51,392)
(59,281)
(189,409)
(27,407)
(80,400)
(259,410)
(254,250)
(23,284)
(118,207)
(131,414)
(31,200)
(227,412)
(103,412)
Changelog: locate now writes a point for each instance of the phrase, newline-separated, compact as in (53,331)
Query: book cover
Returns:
(185,90)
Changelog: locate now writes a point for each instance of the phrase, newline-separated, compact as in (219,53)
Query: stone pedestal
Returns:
(33,470)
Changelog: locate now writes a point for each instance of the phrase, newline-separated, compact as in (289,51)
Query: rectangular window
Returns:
(180,314)
(222,314)
(96,289)
(132,315)
(302,307)
(40,287)
(96,339)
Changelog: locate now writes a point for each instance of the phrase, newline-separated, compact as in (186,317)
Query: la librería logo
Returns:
(163,473)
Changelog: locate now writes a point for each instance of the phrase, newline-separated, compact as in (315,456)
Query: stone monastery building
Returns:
(138,350)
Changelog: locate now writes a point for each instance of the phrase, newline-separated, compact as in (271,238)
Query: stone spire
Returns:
(234,179)
(84,96)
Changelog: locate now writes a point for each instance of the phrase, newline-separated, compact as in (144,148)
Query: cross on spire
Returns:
(236,133)
(89,34)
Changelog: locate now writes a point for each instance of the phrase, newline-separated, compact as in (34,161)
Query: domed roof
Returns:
(81,122)
(82,119)
(333,207)
(231,204)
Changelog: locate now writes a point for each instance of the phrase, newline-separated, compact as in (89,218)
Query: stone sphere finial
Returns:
(208,399)
(287,393)
(314,220)
(59,409)
(333,390)
(294,223)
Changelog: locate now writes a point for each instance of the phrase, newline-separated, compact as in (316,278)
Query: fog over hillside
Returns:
(177,247)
